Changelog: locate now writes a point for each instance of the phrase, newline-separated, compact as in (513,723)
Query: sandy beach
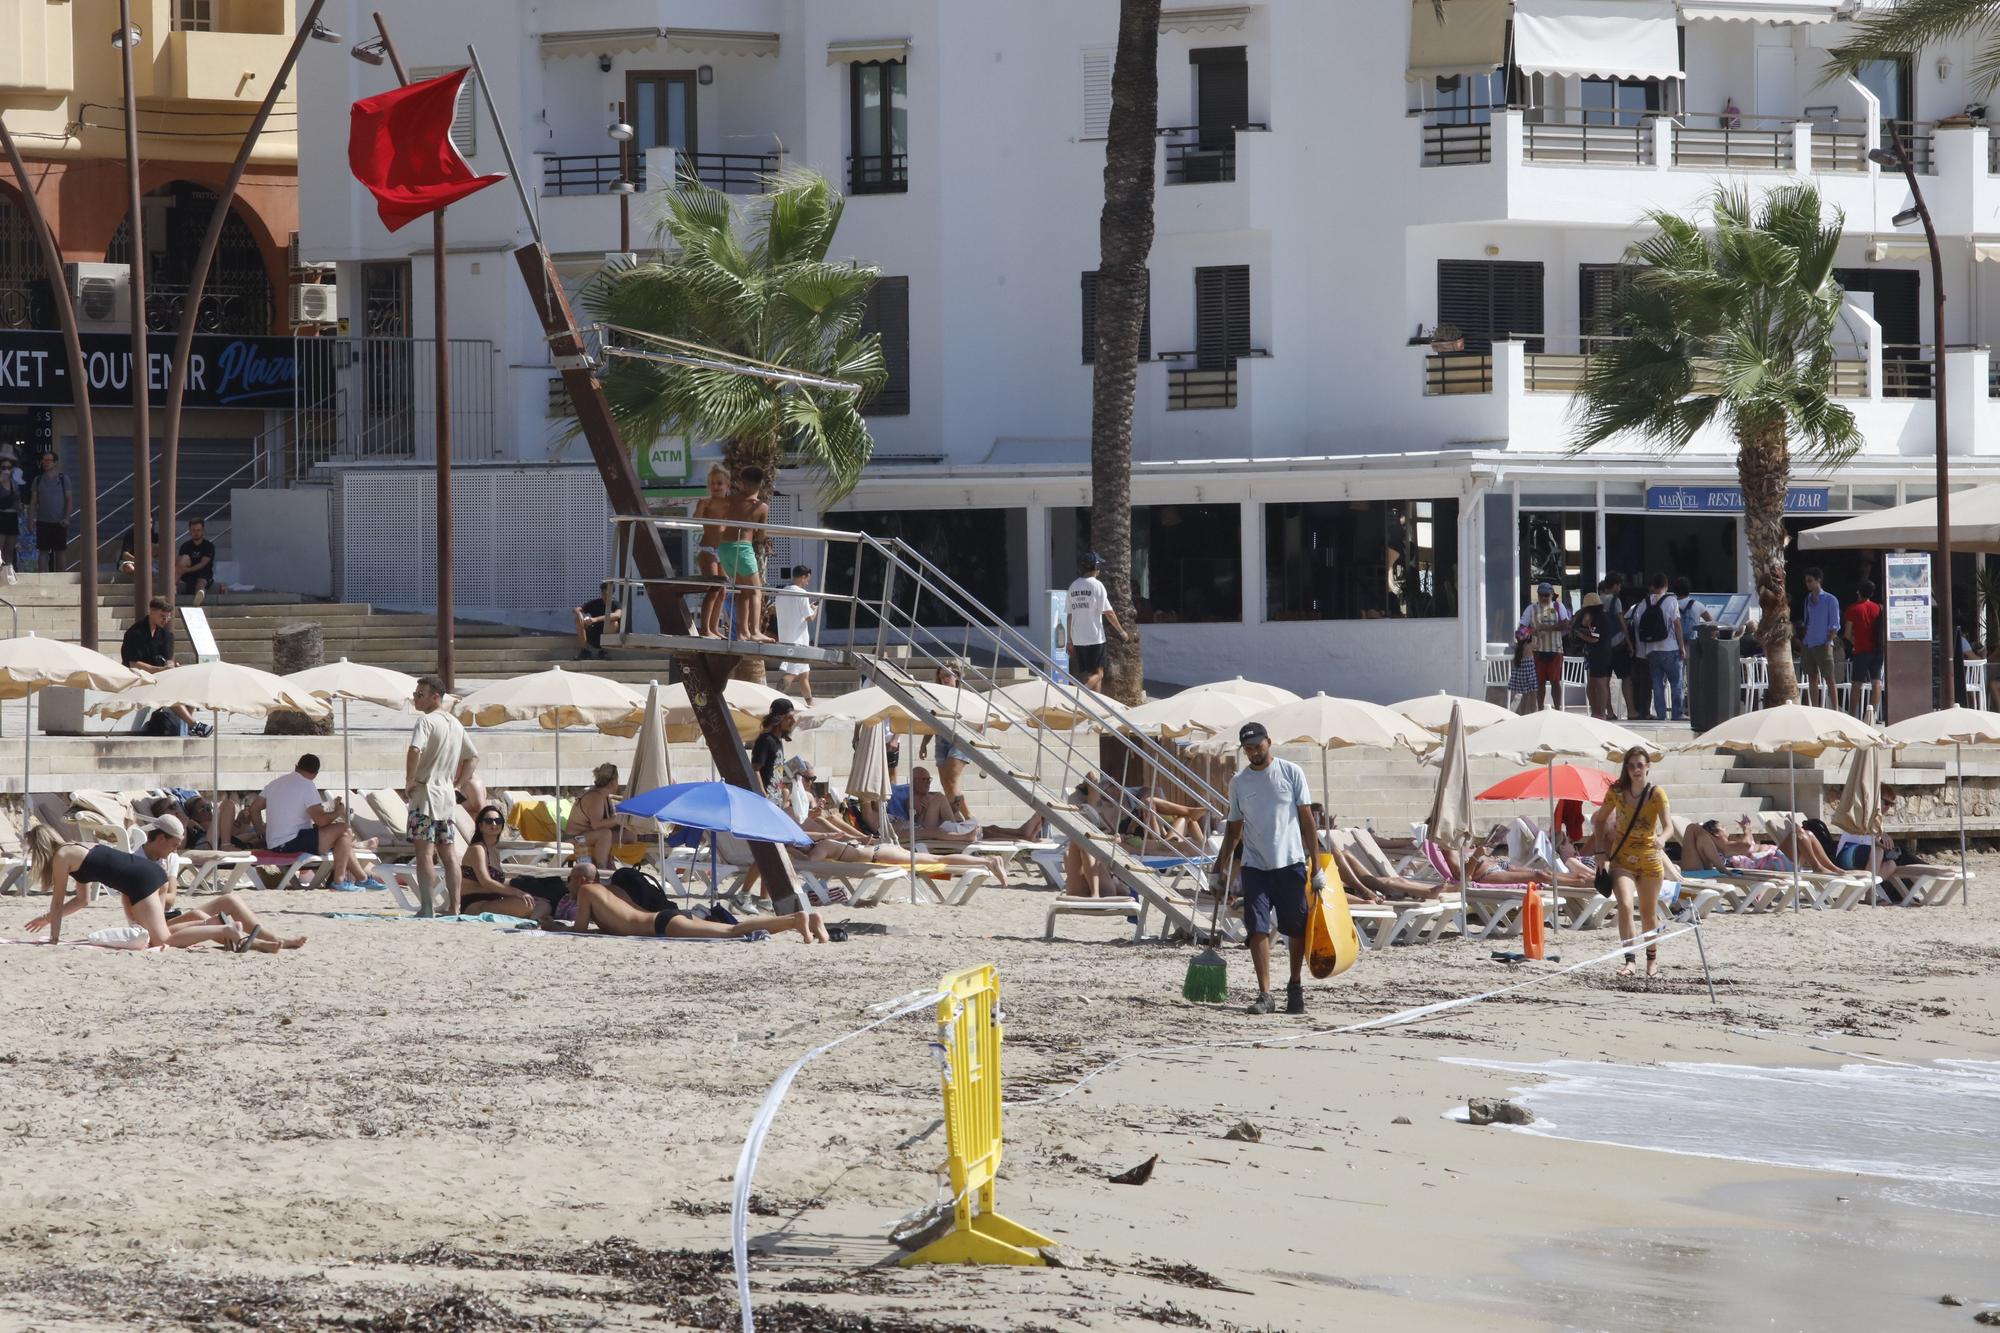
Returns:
(415,1125)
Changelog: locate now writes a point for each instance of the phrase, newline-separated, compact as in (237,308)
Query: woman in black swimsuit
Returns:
(54,863)
(532,898)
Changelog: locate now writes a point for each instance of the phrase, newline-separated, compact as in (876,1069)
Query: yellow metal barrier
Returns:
(969,1032)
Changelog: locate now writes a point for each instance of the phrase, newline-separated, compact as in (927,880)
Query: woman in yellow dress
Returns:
(1637,859)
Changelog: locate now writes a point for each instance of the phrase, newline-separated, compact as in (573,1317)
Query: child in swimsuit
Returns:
(711,506)
(738,552)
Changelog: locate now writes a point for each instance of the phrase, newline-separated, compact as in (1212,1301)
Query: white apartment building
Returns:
(1324,498)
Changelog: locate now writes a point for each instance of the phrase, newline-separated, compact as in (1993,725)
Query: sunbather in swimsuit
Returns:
(883,854)
(613,912)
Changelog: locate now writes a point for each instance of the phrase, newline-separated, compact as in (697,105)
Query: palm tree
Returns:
(1734,322)
(1124,239)
(768,294)
(1912,25)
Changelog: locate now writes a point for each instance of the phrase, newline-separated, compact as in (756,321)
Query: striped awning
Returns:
(1204,18)
(720,42)
(866,50)
(596,41)
(1472,38)
(1777,13)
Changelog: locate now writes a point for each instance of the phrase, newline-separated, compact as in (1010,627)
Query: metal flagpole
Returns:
(1792,767)
(139,372)
(1964,883)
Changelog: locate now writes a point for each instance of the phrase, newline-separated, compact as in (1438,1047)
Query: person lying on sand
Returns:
(228,910)
(614,912)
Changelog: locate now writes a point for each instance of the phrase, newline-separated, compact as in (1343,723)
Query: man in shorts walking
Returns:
(440,754)
(1089,610)
(1270,813)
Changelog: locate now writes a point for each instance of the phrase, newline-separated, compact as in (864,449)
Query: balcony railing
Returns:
(1562,372)
(1919,136)
(1587,137)
(1458,372)
(599,173)
(1457,143)
(1839,145)
(1189,390)
(246,310)
(1907,370)
(1198,155)
(878,173)
(1708,141)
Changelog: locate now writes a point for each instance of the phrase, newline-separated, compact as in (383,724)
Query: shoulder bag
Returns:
(1603,879)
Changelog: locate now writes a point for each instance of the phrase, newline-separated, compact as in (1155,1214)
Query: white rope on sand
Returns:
(760,1126)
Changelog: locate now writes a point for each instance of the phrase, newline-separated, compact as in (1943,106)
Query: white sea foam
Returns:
(1936,1126)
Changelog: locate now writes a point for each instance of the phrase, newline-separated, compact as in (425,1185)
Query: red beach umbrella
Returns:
(1560,782)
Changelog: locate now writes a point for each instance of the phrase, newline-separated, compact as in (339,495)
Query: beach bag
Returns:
(1653,621)
(1602,880)
(1332,942)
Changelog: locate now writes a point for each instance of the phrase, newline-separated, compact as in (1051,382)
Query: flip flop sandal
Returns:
(243,945)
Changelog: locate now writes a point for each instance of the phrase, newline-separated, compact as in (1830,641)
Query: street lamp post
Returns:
(621,134)
(1897,157)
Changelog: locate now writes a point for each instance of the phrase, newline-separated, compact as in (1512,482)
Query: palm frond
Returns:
(1911,26)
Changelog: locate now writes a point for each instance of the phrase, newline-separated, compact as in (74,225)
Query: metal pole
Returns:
(1706,975)
(79,381)
(506,148)
(346,757)
(177,370)
(1792,768)
(139,371)
(627,185)
(28,766)
(1965,884)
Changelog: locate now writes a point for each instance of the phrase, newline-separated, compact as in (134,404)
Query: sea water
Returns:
(1934,1129)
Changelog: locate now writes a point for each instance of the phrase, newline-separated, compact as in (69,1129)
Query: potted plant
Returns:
(1447,338)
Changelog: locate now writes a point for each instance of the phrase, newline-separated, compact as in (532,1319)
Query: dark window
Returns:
(1221,316)
(1598,287)
(1187,560)
(1896,294)
(878,92)
(984,551)
(1468,99)
(1090,319)
(1361,560)
(1490,300)
(888,313)
(1221,93)
(1619,101)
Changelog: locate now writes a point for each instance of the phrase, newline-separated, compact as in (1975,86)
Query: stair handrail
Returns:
(898,556)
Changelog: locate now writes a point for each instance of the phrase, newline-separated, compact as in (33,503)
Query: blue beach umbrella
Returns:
(717,807)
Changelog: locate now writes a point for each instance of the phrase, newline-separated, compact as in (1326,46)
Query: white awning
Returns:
(1204,18)
(872,48)
(1613,39)
(1898,250)
(1774,12)
(1985,251)
(1472,38)
(598,41)
(720,42)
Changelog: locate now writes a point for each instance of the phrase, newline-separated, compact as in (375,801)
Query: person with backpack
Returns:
(1660,639)
(1546,620)
(48,499)
(1598,630)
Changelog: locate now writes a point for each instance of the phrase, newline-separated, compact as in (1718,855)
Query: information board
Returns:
(1907,607)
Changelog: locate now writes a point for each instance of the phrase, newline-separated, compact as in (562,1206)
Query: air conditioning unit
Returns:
(102,293)
(315,303)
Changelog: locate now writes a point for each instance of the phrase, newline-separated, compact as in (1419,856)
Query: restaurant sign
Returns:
(223,371)
(1729,499)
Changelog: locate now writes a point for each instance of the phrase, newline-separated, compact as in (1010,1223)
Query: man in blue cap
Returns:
(1270,813)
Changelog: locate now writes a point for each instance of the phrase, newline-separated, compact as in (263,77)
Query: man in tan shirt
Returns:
(440,756)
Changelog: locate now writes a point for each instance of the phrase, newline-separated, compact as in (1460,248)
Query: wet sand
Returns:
(426,1125)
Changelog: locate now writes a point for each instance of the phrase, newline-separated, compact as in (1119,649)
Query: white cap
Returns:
(171,826)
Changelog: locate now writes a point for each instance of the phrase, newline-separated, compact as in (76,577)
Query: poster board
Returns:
(1907,606)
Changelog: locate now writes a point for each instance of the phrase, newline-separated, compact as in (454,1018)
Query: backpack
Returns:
(1653,621)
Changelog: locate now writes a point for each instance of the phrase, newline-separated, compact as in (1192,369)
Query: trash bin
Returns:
(1715,687)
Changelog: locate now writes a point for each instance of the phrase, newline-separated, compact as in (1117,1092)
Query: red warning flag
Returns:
(399,146)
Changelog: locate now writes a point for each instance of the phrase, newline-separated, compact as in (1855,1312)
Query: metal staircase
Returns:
(882,635)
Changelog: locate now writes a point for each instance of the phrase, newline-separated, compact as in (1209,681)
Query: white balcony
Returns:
(1210,184)
(1518,396)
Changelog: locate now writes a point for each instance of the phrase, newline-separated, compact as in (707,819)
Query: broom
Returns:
(1207,974)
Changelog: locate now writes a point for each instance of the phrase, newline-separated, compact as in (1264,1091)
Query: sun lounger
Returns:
(1383,925)
(881,880)
(1125,909)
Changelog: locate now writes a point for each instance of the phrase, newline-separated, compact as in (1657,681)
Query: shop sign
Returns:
(1908,608)
(223,371)
(1729,499)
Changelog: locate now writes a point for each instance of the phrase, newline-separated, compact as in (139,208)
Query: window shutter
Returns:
(1097,62)
(888,313)
(1221,315)
(1489,299)
(1090,319)
(464,122)
(1222,90)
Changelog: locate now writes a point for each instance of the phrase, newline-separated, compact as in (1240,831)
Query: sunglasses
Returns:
(492,819)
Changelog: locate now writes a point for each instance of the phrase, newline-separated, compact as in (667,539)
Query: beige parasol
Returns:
(1211,711)
(869,780)
(216,688)
(1793,730)
(348,682)
(1450,821)
(1328,724)
(1549,735)
(1050,704)
(651,765)
(1268,695)
(30,664)
(748,703)
(1433,712)
(1958,728)
(556,699)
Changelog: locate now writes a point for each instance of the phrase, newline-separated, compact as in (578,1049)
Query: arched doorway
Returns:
(237,297)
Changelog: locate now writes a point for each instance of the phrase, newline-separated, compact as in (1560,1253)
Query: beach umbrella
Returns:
(1433,712)
(1560,782)
(1450,818)
(30,664)
(216,688)
(350,681)
(718,807)
(1958,728)
(556,699)
(651,767)
(1328,724)
(1051,704)
(1793,730)
(869,780)
(1546,736)
(747,701)
(1268,695)
(872,704)
(1210,712)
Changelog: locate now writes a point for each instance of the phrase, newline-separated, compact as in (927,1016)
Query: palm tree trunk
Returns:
(1125,239)
(1763,467)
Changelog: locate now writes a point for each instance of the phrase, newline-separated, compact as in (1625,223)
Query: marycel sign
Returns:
(1729,499)
(223,371)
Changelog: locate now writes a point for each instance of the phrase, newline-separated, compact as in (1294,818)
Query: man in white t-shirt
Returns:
(1089,610)
(796,610)
(440,755)
(298,821)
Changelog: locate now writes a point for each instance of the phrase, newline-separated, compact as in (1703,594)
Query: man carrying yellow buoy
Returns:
(1270,813)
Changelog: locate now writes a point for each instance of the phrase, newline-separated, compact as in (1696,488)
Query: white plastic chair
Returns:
(1575,677)
(1756,681)
(1975,682)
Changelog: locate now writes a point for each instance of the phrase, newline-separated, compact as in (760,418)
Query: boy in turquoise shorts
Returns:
(737,552)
